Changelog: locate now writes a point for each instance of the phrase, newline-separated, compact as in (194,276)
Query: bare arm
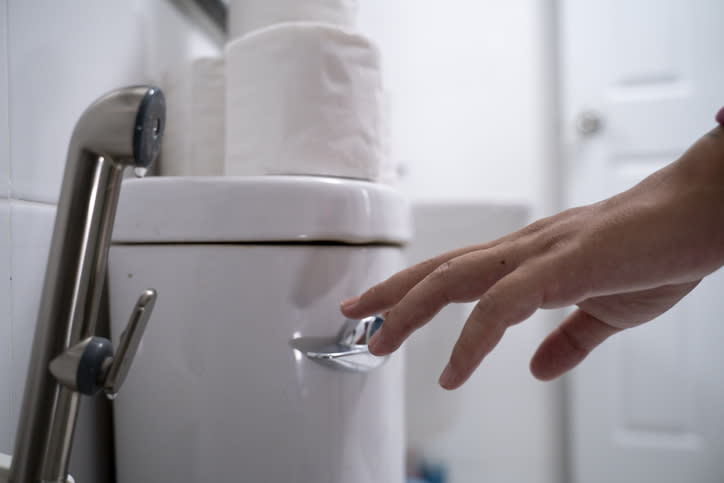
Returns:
(622,261)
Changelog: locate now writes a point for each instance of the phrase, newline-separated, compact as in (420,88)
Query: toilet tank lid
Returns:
(260,209)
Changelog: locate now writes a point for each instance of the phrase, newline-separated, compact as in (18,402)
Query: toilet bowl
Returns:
(244,268)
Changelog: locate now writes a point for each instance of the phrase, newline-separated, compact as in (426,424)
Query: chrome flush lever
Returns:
(90,365)
(349,351)
(359,332)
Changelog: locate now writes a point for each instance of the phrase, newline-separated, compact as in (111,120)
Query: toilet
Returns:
(245,268)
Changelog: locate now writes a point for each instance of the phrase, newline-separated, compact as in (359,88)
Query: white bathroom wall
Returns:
(468,86)
(4,148)
(55,59)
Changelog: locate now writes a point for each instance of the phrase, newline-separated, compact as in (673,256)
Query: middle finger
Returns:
(463,279)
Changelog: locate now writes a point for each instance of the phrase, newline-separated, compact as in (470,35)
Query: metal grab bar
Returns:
(121,129)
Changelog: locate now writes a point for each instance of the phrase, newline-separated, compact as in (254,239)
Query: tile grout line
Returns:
(46,204)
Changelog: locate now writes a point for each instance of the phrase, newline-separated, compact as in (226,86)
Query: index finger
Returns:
(387,294)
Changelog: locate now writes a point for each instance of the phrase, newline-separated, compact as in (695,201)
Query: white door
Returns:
(641,81)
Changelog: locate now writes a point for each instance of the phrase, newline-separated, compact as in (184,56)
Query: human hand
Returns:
(622,261)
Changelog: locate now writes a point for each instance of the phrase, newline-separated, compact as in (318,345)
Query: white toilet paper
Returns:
(193,142)
(388,165)
(248,15)
(303,98)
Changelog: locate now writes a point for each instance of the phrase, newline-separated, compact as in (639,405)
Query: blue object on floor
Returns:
(433,473)
(428,474)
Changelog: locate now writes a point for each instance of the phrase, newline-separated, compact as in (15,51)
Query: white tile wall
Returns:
(4,137)
(5,438)
(55,59)
(60,59)
(31,227)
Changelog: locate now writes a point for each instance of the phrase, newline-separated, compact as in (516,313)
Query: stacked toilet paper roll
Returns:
(193,143)
(388,172)
(248,15)
(304,98)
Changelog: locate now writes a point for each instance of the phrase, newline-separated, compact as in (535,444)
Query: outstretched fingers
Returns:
(387,294)
(511,300)
(569,344)
(462,279)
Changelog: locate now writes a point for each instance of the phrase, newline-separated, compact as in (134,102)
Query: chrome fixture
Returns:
(121,129)
(588,123)
(348,350)
(90,365)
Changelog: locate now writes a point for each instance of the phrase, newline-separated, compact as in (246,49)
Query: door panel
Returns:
(648,405)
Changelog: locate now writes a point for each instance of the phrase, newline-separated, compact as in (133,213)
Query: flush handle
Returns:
(90,365)
(349,351)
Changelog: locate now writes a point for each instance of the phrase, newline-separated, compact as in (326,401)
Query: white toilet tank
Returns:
(243,266)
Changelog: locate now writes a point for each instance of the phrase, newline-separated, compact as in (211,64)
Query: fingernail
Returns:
(447,377)
(349,303)
(374,342)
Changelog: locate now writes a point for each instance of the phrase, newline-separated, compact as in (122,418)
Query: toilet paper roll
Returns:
(388,165)
(248,15)
(303,98)
(193,142)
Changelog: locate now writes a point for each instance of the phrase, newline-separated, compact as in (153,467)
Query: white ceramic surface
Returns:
(216,392)
(6,441)
(266,208)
